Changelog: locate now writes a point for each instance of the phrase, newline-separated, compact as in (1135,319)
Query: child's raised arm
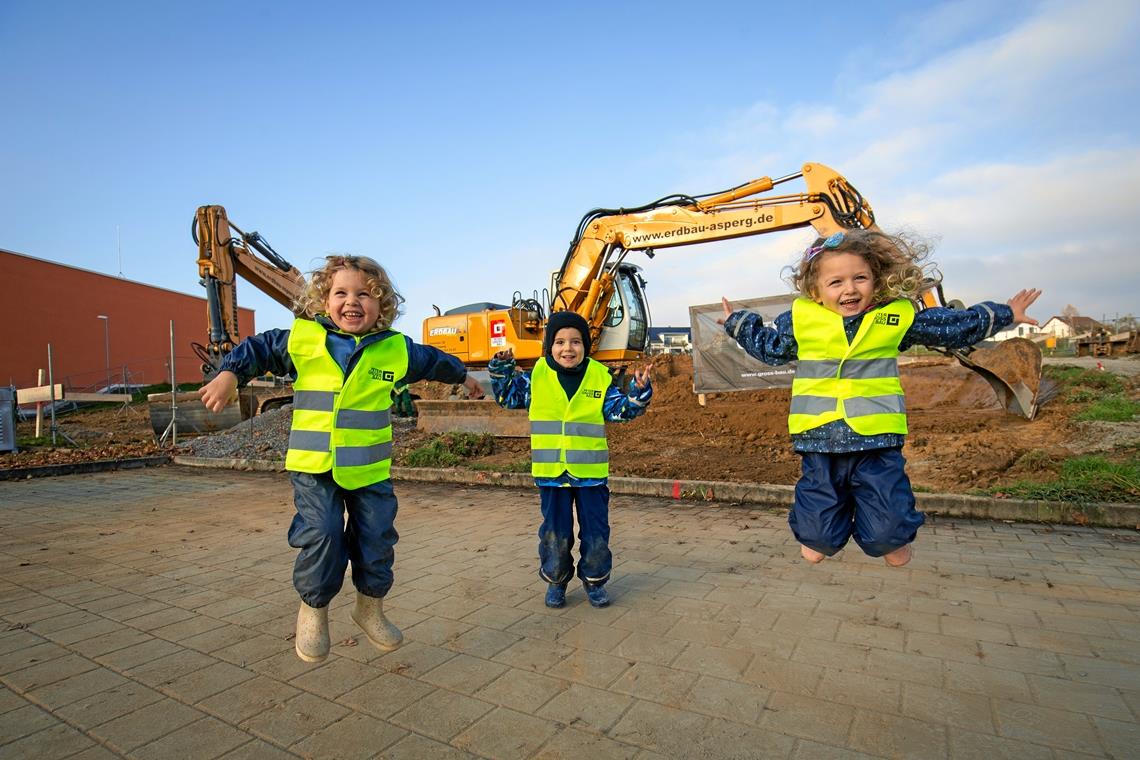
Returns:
(1022,301)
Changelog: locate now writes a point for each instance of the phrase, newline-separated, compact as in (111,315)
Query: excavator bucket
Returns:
(1013,370)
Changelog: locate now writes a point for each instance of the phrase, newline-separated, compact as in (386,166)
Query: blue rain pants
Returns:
(865,494)
(328,543)
(556,534)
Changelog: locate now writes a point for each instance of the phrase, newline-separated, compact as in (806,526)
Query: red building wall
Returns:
(45,302)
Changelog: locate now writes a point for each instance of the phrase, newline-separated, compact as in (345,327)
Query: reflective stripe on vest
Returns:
(340,424)
(857,381)
(568,435)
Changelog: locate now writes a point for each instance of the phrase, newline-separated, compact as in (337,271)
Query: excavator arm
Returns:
(224,252)
(586,279)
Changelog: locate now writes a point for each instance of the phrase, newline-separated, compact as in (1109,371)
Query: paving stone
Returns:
(464,674)
(810,718)
(110,704)
(590,668)
(58,741)
(897,737)
(573,744)
(1042,725)
(248,698)
(416,747)
(586,707)
(355,737)
(145,724)
(441,714)
(522,690)
(289,722)
(659,728)
(206,738)
(506,733)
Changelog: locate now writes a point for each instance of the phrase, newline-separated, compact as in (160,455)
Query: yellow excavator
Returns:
(597,282)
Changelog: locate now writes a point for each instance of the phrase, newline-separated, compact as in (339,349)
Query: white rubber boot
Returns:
(312,639)
(369,615)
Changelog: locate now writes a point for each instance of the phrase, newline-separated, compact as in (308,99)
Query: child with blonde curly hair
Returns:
(346,360)
(855,313)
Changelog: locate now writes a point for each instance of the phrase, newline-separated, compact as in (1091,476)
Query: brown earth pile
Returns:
(960,438)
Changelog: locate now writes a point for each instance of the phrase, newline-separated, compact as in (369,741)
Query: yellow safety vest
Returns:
(857,381)
(568,435)
(343,424)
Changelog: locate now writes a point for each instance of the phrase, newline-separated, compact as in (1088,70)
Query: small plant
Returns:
(450,449)
(1035,460)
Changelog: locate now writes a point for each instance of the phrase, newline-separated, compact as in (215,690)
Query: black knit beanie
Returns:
(562,319)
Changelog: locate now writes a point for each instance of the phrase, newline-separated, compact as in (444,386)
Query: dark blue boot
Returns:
(556,595)
(597,595)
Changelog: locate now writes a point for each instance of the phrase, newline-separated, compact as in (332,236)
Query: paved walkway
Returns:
(148,614)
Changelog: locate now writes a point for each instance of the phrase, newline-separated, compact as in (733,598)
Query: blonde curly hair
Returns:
(311,301)
(898,262)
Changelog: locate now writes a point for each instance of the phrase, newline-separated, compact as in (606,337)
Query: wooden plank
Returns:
(107,397)
(39,393)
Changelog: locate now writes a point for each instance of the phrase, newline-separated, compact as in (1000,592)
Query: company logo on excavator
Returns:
(443,331)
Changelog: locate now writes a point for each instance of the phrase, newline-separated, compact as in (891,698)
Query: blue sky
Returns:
(459,144)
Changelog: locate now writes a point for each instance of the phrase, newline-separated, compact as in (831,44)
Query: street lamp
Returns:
(106,345)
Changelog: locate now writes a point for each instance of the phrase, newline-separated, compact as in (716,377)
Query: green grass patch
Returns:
(1110,409)
(1082,480)
(1105,394)
(1070,377)
(449,449)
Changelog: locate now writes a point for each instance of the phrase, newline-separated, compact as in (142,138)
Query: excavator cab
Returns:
(626,327)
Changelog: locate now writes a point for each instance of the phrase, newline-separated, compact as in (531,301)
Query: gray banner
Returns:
(720,364)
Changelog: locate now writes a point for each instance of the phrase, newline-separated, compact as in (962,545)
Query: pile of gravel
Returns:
(264,437)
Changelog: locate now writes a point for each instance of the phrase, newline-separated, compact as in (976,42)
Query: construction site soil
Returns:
(960,439)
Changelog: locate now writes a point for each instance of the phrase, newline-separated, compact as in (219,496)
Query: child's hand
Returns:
(474,390)
(727,310)
(641,376)
(219,391)
(505,356)
(1022,301)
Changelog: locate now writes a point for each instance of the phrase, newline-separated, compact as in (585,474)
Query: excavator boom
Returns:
(595,281)
(225,251)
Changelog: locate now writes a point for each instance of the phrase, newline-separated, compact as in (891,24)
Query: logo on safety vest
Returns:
(386,375)
(591,394)
(886,319)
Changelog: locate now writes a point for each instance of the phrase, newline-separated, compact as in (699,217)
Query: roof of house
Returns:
(1078,323)
(655,333)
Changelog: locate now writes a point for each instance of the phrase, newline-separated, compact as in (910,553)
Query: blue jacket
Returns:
(512,391)
(945,328)
(269,352)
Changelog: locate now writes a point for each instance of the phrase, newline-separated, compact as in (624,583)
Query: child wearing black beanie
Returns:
(570,398)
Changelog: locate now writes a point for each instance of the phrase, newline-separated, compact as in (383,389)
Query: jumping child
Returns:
(346,359)
(570,398)
(853,317)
